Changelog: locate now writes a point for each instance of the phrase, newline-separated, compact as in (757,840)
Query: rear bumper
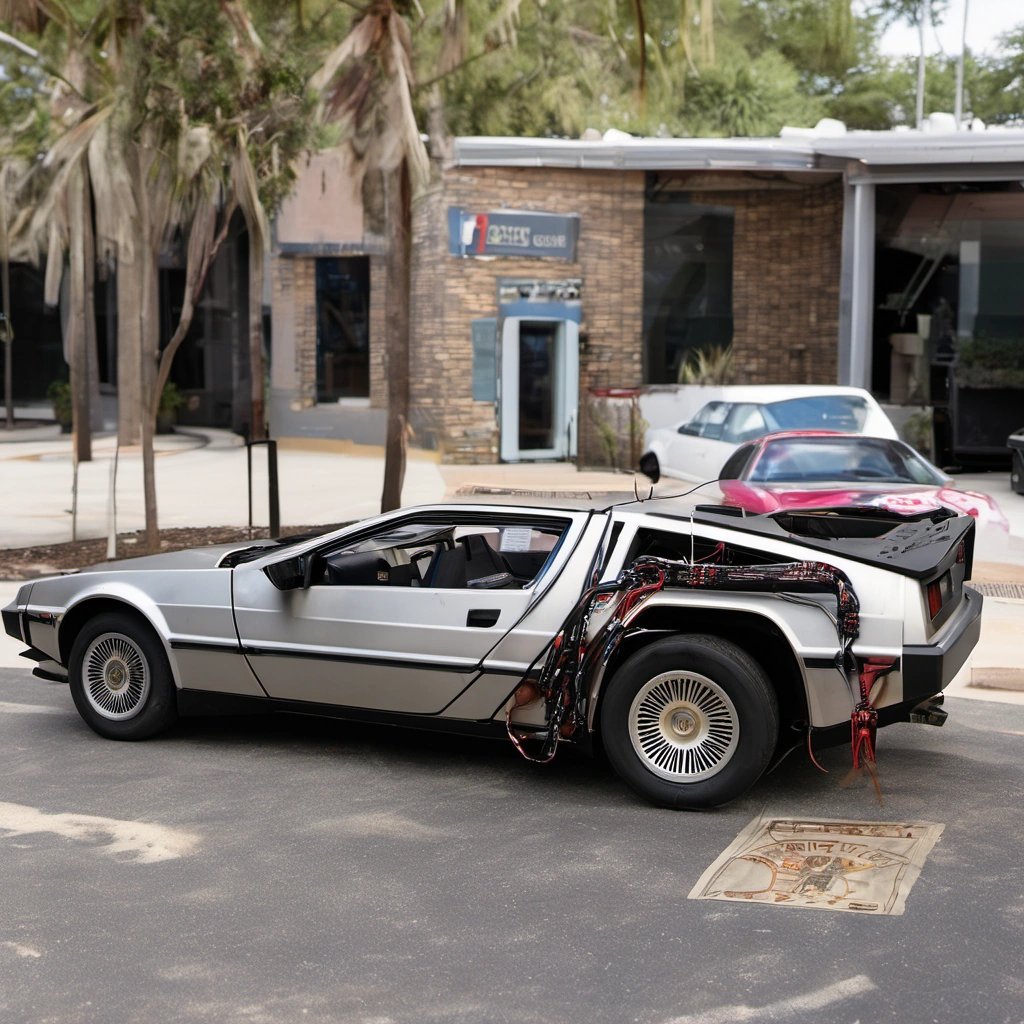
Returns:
(929,668)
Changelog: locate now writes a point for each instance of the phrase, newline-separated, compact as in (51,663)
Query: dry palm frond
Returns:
(366,83)
(707,32)
(246,190)
(454,37)
(114,201)
(504,29)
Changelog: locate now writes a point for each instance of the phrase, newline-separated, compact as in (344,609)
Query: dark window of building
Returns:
(949,320)
(342,328)
(687,282)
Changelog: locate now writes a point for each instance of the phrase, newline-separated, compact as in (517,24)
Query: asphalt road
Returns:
(283,870)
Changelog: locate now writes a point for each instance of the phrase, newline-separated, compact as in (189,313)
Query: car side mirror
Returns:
(687,429)
(291,574)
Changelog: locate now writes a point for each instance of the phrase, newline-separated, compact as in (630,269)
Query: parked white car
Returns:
(698,448)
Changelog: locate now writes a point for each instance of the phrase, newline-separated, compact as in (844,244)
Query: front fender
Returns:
(181,608)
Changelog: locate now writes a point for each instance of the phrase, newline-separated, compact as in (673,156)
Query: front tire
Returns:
(120,679)
(690,722)
(650,467)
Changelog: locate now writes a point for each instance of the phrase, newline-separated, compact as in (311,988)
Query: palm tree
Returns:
(169,126)
(366,83)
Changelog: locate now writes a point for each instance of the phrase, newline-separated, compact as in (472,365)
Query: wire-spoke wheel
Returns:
(683,726)
(689,721)
(120,679)
(116,676)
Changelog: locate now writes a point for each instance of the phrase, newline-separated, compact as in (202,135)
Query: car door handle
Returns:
(483,617)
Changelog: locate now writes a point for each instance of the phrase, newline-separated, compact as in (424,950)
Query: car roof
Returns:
(764,393)
(837,435)
(640,501)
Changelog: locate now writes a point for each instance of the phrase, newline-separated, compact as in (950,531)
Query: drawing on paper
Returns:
(866,867)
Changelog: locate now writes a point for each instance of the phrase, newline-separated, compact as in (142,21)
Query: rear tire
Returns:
(690,722)
(120,679)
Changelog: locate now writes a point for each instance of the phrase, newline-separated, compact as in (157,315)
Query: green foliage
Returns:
(712,365)
(171,399)
(59,394)
(991,362)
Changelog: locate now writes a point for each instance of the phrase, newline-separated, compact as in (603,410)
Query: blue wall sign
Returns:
(512,233)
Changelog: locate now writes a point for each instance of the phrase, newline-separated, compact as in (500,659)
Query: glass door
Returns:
(539,388)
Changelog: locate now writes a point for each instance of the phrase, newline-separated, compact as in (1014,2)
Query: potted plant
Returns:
(59,394)
(171,400)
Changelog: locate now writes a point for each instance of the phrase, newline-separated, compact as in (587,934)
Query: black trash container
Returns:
(1015,442)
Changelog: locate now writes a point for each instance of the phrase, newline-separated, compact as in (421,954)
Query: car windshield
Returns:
(842,459)
(846,413)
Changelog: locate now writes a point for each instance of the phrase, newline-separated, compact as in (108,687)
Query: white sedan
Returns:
(698,448)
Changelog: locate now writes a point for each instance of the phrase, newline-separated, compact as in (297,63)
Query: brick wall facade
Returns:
(786,269)
(785,298)
(449,292)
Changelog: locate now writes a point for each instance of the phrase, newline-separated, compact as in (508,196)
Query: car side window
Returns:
(714,421)
(695,424)
(745,423)
(457,556)
(737,463)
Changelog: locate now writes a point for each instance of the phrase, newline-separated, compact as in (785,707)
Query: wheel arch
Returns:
(75,618)
(756,634)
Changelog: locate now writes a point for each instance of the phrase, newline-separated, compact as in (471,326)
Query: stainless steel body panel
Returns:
(408,649)
(429,651)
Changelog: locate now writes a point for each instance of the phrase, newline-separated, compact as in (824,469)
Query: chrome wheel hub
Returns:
(683,726)
(115,676)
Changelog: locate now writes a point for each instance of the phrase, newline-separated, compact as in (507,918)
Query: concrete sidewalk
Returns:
(202,481)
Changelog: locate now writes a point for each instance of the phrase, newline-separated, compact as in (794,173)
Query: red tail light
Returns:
(934,599)
(961,554)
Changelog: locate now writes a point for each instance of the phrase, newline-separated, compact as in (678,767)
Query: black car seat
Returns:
(448,569)
(485,567)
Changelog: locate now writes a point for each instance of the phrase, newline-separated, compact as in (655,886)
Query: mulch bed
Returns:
(45,559)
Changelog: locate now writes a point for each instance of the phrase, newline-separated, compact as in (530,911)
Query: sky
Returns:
(986,19)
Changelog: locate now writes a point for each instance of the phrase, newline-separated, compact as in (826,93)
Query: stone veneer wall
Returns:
(450,292)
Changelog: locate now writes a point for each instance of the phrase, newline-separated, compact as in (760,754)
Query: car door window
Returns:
(714,422)
(482,555)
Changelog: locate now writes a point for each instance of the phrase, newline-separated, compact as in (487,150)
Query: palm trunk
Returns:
(147,420)
(398,192)
(129,351)
(78,348)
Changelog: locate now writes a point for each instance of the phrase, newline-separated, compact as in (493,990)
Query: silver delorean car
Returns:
(694,644)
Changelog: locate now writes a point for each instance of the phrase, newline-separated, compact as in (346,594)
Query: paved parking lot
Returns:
(282,870)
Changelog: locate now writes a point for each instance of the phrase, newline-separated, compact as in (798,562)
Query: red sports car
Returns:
(803,469)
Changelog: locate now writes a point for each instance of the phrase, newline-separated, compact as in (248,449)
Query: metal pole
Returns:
(248,458)
(862,284)
(926,9)
(6,330)
(958,102)
(272,495)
